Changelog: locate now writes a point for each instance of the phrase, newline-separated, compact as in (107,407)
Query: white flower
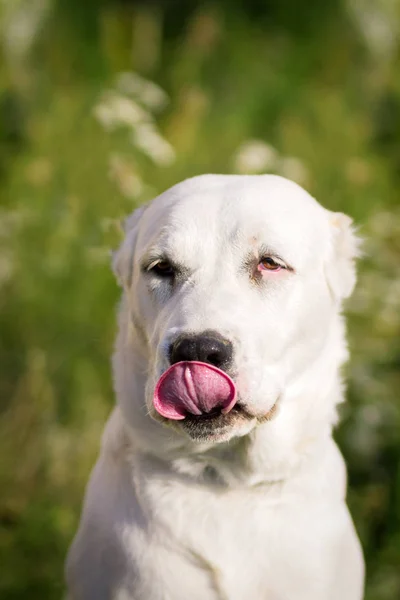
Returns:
(293,168)
(379,24)
(129,183)
(147,139)
(116,110)
(255,156)
(20,25)
(147,92)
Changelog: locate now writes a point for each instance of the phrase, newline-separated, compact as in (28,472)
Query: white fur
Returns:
(258,511)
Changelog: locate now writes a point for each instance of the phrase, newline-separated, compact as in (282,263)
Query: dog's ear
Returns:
(122,259)
(340,268)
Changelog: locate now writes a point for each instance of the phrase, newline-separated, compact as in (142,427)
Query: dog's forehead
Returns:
(210,212)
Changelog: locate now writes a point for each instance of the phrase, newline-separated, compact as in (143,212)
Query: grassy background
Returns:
(309,90)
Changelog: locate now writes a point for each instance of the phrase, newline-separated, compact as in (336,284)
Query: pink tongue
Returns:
(191,387)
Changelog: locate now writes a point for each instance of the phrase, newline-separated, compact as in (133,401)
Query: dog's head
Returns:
(232,289)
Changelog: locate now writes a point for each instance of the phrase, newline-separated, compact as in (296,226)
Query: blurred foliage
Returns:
(102,105)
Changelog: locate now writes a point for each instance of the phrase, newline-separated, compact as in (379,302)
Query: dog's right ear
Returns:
(122,259)
(340,270)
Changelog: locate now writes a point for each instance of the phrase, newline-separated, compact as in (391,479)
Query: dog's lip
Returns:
(215,413)
(240,408)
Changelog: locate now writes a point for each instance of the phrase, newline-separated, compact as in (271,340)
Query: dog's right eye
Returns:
(162,268)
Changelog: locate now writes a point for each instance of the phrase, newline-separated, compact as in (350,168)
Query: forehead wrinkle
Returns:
(182,244)
(194,228)
(254,236)
(295,242)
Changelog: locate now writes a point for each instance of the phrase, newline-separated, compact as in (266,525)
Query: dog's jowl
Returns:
(218,477)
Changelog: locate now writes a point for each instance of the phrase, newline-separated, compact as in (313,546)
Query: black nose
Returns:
(208,347)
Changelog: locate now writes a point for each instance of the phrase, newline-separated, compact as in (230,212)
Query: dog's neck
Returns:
(272,451)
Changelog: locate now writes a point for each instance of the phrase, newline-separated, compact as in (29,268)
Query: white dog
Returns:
(218,478)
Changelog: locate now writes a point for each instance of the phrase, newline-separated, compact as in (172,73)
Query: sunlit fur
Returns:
(256,511)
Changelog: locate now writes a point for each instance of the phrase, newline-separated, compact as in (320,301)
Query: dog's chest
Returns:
(246,541)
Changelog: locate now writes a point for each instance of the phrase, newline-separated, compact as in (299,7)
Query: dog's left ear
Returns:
(340,268)
(122,259)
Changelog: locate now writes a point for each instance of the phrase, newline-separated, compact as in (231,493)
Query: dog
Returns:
(218,477)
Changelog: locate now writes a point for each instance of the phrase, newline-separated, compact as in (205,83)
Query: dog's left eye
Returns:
(267,263)
(162,268)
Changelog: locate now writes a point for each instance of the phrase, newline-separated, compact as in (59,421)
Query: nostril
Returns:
(184,348)
(215,359)
(215,351)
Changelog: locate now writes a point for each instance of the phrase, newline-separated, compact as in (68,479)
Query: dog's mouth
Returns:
(215,423)
(194,389)
(202,400)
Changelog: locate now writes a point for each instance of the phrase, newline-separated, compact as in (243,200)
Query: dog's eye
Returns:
(267,263)
(162,268)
